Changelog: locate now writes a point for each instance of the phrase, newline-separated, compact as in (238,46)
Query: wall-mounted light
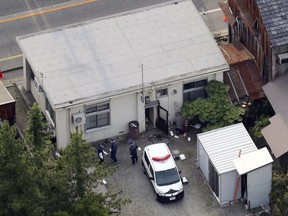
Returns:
(174,91)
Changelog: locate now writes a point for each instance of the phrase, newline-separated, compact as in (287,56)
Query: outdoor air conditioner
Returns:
(79,118)
(283,58)
(38,86)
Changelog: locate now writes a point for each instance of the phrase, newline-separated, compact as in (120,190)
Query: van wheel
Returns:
(156,196)
(143,169)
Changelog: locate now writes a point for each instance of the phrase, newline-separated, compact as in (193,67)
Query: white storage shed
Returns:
(233,166)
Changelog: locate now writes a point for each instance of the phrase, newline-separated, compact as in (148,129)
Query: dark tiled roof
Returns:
(275,17)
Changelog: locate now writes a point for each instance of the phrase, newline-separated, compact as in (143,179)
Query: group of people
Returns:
(113,151)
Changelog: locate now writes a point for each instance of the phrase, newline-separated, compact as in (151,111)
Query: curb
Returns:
(11,69)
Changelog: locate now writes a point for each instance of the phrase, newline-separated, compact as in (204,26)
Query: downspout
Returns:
(237,182)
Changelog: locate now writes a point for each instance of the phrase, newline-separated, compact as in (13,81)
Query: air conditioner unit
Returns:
(283,58)
(38,86)
(78,118)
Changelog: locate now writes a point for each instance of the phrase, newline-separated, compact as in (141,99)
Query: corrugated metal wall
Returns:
(259,186)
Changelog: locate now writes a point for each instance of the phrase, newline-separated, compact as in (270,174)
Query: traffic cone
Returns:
(224,18)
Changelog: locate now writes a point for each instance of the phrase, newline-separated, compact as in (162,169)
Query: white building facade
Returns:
(137,66)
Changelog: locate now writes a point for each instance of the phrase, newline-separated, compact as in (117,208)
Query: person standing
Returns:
(113,150)
(101,154)
(133,151)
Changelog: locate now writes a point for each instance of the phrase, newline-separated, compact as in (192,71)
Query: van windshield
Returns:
(167,177)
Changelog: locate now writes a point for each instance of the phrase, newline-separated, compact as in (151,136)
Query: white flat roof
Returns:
(101,58)
(252,161)
(224,144)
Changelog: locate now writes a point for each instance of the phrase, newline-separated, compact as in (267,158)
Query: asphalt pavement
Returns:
(10,56)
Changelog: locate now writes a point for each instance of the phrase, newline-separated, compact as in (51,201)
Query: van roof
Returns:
(160,150)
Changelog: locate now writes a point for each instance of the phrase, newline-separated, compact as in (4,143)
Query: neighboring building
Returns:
(7,106)
(276,133)
(234,167)
(262,27)
(89,75)
(243,77)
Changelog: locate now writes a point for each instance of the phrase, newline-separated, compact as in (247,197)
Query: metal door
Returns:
(162,119)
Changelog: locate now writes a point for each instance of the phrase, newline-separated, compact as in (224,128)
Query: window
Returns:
(50,110)
(146,159)
(194,90)
(97,116)
(162,92)
(151,171)
(167,177)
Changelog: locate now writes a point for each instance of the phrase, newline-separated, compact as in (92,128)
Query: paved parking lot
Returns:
(198,199)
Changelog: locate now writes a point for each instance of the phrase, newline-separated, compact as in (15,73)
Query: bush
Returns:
(214,111)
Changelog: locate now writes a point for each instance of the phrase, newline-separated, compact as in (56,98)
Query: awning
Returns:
(276,134)
(252,161)
(151,103)
(5,96)
(244,77)
(227,12)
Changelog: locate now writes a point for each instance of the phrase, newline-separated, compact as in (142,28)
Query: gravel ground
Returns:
(198,199)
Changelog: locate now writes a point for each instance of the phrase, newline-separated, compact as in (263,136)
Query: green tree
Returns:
(33,183)
(90,204)
(78,156)
(18,191)
(256,133)
(39,145)
(38,135)
(214,111)
(77,176)
(279,194)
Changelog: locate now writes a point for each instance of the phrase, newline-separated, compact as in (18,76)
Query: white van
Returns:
(159,165)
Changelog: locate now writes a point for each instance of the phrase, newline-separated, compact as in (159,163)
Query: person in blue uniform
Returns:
(133,151)
(113,150)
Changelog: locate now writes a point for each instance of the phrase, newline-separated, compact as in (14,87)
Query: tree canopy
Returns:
(32,182)
(279,194)
(214,111)
(18,190)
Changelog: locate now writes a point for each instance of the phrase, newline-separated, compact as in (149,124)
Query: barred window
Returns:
(162,92)
(194,90)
